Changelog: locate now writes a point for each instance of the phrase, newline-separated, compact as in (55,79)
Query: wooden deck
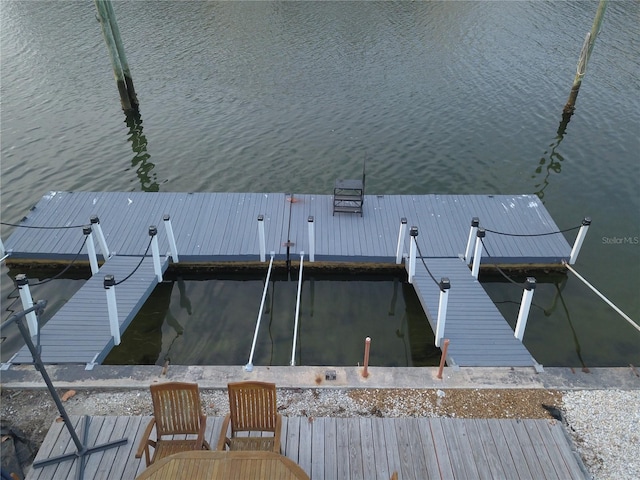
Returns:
(223,227)
(357,448)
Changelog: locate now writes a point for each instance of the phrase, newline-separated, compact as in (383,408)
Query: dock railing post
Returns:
(171,237)
(155,252)
(475,221)
(91,250)
(577,245)
(22,283)
(413,233)
(312,239)
(261,239)
(477,254)
(401,235)
(525,306)
(445,285)
(112,306)
(95,222)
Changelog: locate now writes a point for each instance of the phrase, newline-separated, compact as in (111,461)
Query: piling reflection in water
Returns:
(140,161)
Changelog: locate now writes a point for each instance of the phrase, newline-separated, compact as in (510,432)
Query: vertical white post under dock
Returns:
(27,302)
(401,234)
(475,222)
(445,285)
(413,233)
(91,250)
(171,237)
(577,245)
(95,222)
(295,327)
(155,252)
(261,239)
(112,306)
(312,239)
(249,366)
(477,254)
(525,306)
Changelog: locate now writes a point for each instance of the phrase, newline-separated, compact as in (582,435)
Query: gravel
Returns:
(604,424)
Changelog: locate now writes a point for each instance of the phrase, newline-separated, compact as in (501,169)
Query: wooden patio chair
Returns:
(176,411)
(252,408)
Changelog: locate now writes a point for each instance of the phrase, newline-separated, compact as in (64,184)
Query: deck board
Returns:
(435,458)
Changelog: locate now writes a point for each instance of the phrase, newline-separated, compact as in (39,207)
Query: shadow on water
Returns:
(140,161)
(551,161)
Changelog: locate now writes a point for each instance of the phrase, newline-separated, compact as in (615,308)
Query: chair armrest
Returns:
(144,444)
(276,439)
(223,433)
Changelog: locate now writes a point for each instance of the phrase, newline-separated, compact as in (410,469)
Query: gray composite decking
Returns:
(478,334)
(79,332)
(223,227)
(362,448)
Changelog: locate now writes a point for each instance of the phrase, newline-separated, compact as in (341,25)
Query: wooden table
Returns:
(210,465)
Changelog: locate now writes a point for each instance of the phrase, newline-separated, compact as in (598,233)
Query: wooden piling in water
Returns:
(121,71)
(585,53)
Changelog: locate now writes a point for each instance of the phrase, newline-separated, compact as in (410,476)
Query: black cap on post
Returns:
(475,221)
(166,217)
(403,220)
(87,230)
(481,233)
(445,284)
(586,221)
(530,283)
(413,231)
(260,218)
(109,281)
(21,279)
(153,231)
(310,219)
(94,219)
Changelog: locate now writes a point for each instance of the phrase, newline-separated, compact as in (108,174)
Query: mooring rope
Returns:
(64,269)
(498,268)
(138,266)
(427,268)
(607,301)
(531,234)
(35,227)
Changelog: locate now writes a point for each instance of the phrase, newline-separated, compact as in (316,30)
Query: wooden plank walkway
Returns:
(478,333)
(79,332)
(222,227)
(361,448)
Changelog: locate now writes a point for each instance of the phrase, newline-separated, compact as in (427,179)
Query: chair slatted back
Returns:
(252,406)
(176,408)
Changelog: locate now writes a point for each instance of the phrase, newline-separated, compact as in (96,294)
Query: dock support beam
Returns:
(171,237)
(27,303)
(525,306)
(110,287)
(413,233)
(155,252)
(401,235)
(91,250)
(261,239)
(475,221)
(445,285)
(477,254)
(312,239)
(577,245)
(95,222)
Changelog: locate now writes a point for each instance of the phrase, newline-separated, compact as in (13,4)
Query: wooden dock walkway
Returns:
(361,448)
(223,227)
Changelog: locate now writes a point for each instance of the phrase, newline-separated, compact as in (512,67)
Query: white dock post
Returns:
(2,250)
(91,250)
(401,234)
(477,254)
(413,233)
(579,239)
(101,240)
(155,251)
(525,306)
(312,239)
(27,302)
(110,287)
(475,221)
(445,285)
(263,246)
(172,239)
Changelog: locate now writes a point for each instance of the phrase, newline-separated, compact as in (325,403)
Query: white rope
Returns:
(624,315)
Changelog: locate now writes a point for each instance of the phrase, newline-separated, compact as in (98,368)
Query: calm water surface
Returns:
(445,97)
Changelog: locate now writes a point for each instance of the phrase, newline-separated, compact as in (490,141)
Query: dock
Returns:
(218,228)
(364,448)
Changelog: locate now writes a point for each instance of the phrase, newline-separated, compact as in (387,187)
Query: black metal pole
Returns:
(82,451)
